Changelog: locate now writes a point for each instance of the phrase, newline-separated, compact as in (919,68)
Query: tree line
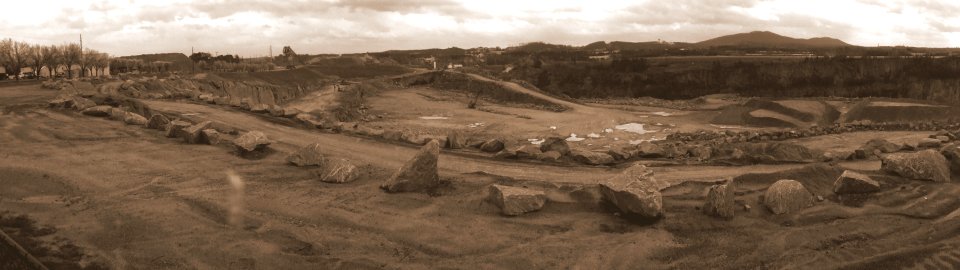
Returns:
(15,55)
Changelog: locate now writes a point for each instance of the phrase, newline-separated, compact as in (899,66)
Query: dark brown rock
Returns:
(418,174)
(720,201)
(923,165)
(851,182)
(786,196)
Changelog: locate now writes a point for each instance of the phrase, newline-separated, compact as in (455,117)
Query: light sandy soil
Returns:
(131,198)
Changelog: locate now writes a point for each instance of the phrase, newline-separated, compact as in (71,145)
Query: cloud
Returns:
(250,27)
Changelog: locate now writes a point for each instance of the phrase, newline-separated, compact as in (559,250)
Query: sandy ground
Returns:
(131,198)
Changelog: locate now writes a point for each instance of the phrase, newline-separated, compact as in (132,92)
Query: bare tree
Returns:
(5,46)
(17,53)
(37,58)
(52,59)
(71,56)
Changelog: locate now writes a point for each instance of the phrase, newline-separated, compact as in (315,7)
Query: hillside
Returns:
(770,39)
(180,61)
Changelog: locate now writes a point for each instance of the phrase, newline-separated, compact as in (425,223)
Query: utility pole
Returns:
(81,56)
(193,65)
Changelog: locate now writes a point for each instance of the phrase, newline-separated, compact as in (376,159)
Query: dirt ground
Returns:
(128,198)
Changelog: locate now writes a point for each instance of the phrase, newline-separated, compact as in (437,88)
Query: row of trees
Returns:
(15,55)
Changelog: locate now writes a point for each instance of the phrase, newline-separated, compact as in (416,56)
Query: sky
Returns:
(249,27)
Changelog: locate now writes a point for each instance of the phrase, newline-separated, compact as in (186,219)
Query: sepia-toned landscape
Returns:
(747,150)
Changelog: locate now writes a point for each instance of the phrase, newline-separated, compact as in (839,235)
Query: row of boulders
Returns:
(330,170)
(786,195)
(875,148)
(729,136)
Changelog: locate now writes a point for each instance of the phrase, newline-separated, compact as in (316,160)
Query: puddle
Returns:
(634,127)
(474,125)
(593,135)
(635,142)
(573,138)
(536,141)
(434,117)
(724,127)
(662,113)
(553,127)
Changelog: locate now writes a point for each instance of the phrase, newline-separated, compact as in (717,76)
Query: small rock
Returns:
(134,119)
(418,174)
(492,145)
(514,201)
(309,155)
(929,143)
(506,154)
(529,152)
(175,128)
(210,136)
(787,196)
(339,171)
(456,140)
(591,158)
(158,121)
(250,142)
(98,111)
(550,156)
(650,150)
(851,182)
(192,134)
(720,201)
(555,144)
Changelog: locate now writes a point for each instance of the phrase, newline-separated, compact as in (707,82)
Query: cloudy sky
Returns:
(249,27)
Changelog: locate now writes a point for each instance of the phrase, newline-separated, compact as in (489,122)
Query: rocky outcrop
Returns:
(634,192)
(923,165)
(338,171)
(851,182)
(720,201)
(250,142)
(786,196)
(514,201)
(419,174)
(309,155)
(591,158)
(158,121)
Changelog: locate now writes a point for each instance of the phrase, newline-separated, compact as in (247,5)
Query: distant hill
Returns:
(180,61)
(770,39)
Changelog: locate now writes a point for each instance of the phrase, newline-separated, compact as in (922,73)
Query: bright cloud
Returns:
(250,27)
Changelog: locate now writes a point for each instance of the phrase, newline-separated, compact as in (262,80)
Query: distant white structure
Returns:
(600,57)
(453,66)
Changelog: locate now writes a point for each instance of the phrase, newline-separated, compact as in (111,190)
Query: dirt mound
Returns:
(880,111)
(783,113)
(487,90)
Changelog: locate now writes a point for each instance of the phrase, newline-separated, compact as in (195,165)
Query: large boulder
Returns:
(492,145)
(175,128)
(550,156)
(634,192)
(851,182)
(787,196)
(158,121)
(194,133)
(555,144)
(98,111)
(134,119)
(514,201)
(309,155)
(720,201)
(338,171)
(418,174)
(210,136)
(590,157)
(923,165)
(456,140)
(251,141)
(649,150)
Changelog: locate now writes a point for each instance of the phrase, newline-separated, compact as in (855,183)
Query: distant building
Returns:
(453,66)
